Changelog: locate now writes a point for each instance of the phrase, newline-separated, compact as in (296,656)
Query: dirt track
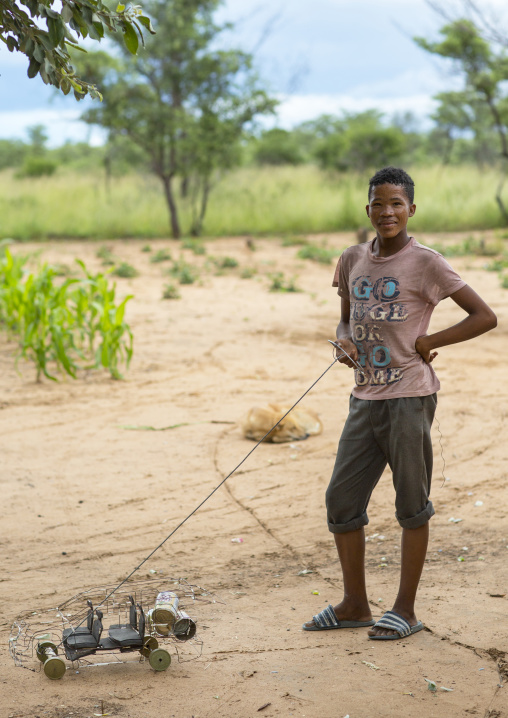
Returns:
(75,481)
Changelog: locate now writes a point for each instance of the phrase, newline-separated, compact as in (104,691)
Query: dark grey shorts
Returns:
(377,433)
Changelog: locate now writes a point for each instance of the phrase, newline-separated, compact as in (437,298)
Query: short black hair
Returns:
(396,176)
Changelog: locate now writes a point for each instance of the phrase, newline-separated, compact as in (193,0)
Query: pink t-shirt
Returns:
(392,300)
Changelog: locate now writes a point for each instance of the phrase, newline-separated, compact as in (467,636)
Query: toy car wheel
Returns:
(40,652)
(54,668)
(159,659)
(149,644)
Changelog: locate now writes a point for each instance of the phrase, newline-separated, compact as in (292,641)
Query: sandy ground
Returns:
(84,500)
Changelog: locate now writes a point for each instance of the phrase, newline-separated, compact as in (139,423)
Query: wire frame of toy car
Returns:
(45,633)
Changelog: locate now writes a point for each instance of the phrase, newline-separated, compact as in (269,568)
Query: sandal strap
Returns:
(392,621)
(326,618)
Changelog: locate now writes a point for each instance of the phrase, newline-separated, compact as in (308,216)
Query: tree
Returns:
(278,147)
(48,49)
(361,142)
(183,100)
(483,101)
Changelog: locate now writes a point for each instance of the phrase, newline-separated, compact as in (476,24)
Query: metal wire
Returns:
(212,492)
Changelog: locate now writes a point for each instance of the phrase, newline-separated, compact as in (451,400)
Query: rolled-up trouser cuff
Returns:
(419,520)
(352,525)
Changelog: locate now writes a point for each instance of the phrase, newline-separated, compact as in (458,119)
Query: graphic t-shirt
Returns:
(392,300)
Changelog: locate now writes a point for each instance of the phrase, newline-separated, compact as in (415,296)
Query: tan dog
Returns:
(298,425)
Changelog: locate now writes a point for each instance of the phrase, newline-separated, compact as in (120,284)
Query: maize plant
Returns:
(67,325)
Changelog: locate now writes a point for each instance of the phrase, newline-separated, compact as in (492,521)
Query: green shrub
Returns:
(161,255)
(248,272)
(280,284)
(294,240)
(504,282)
(125,271)
(195,245)
(226,262)
(107,256)
(182,271)
(37,167)
(146,248)
(497,265)
(323,255)
(170,291)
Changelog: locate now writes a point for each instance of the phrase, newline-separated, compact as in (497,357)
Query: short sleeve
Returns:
(442,280)
(340,279)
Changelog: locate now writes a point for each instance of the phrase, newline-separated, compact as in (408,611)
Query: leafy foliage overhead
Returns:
(47,49)
(185,100)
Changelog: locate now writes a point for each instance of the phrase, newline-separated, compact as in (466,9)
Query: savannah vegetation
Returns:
(183,145)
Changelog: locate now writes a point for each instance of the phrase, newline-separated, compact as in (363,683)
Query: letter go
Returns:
(380,356)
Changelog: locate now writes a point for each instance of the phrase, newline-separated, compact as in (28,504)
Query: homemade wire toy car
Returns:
(81,632)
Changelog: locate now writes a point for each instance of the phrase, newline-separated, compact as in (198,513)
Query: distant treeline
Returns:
(352,142)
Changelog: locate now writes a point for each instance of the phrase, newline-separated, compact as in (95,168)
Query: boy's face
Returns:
(389,210)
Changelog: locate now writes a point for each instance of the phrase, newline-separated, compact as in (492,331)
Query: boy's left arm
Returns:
(480,319)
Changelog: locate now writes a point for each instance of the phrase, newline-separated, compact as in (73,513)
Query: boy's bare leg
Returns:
(355,605)
(413,551)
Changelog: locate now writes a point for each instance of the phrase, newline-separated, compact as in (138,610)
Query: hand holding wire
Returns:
(345,357)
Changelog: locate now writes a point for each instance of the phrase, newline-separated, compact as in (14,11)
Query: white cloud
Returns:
(299,108)
(61,125)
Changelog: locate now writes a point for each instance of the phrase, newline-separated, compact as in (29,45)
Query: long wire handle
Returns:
(212,492)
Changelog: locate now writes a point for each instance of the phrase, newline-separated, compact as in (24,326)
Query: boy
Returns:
(388,289)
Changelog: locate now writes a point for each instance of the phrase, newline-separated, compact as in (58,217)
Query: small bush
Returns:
(125,271)
(497,265)
(195,245)
(170,291)
(146,248)
(294,240)
(107,256)
(248,272)
(182,271)
(504,282)
(280,284)
(470,245)
(323,255)
(226,263)
(37,167)
(161,255)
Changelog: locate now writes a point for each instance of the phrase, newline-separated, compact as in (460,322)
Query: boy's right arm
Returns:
(344,335)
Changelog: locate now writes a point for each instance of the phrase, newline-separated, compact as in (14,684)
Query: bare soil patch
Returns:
(85,499)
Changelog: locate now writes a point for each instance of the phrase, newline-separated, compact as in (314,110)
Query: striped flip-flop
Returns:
(327,620)
(394,622)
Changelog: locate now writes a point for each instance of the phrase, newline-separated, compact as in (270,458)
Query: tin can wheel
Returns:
(149,644)
(54,667)
(159,659)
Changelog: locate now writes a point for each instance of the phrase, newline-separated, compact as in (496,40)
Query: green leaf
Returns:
(12,43)
(66,13)
(33,68)
(56,31)
(38,53)
(131,39)
(147,23)
(120,8)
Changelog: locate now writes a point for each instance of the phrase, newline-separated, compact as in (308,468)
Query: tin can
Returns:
(184,627)
(165,611)
(160,629)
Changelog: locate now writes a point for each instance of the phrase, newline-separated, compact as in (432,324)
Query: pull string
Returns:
(210,494)
(443,469)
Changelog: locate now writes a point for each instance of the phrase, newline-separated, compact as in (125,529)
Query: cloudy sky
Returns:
(316,55)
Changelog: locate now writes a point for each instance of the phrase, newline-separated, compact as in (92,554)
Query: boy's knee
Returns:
(419,519)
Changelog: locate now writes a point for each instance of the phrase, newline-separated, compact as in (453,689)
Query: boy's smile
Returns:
(389,210)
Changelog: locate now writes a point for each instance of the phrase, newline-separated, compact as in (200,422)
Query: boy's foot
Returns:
(346,611)
(379,631)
